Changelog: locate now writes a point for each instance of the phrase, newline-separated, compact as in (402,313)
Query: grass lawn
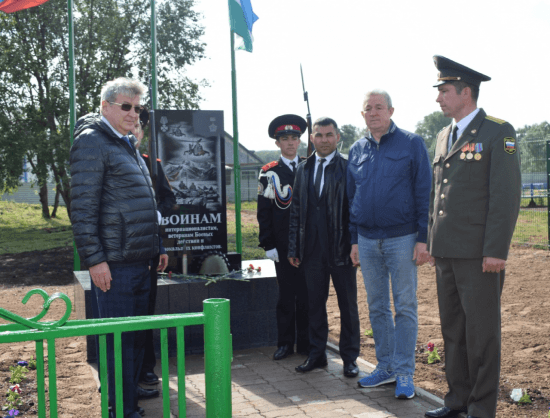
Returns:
(22,228)
(532,227)
(249,234)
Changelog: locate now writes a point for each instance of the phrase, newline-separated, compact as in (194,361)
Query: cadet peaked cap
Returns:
(450,70)
(286,125)
(144,118)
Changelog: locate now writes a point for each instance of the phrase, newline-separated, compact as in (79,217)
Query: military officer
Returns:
(274,200)
(474,205)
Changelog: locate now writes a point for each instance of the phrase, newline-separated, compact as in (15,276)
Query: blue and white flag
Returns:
(241,19)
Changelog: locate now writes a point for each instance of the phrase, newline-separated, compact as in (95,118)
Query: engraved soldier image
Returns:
(274,201)
(191,159)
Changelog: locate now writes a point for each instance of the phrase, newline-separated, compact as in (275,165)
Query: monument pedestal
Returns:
(253,303)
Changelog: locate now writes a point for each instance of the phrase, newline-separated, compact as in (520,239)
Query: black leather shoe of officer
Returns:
(147,393)
(283,351)
(312,363)
(140,410)
(444,412)
(149,379)
(351,369)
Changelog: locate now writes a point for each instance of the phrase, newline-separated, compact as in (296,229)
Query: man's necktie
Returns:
(293,164)
(455,130)
(318,176)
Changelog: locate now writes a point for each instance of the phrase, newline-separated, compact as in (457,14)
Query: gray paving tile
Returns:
(265,388)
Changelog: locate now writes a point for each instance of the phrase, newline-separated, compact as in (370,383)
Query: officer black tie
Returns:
(318,176)
(455,130)
(293,164)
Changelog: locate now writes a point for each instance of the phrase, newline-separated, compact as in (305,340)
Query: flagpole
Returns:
(154,55)
(72,102)
(236,163)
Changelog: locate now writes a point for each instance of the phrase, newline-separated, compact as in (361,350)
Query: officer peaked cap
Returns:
(450,71)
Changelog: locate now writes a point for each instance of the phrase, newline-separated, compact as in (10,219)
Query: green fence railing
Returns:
(217,350)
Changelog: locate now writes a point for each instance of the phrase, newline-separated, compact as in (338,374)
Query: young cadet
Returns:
(275,186)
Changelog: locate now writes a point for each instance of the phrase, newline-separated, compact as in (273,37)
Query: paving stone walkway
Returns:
(262,387)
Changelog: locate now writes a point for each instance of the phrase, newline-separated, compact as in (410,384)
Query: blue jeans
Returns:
(128,296)
(383,260)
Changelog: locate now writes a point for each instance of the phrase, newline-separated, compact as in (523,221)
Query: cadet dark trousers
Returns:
(149,358)
(469,308)
(292,304)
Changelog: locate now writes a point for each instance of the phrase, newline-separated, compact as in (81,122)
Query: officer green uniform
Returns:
(474,204)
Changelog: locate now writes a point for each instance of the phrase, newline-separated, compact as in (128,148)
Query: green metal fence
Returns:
(532,226)
(217,350)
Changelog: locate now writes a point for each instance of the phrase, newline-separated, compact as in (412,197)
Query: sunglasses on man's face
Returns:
(127,107)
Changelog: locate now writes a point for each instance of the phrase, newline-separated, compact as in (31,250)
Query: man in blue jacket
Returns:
(388,182)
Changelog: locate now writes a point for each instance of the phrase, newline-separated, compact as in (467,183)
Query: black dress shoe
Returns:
(147,393)
(283,351)
(312,363)
(351,369)
(140,411)
(444,412)
(149,379)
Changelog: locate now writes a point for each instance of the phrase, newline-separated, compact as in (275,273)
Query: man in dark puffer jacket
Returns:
(114,217)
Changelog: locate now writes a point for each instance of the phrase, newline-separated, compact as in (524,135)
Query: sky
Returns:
(349,47)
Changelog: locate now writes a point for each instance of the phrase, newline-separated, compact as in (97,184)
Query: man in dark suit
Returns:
(165,202)
(320,244)
(474,206)
(274,201)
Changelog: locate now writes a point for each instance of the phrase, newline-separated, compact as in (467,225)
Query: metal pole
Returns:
(154,55)
(217,358)
(236,163)
(72,103)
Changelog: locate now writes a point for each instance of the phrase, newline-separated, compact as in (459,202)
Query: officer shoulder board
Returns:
(510,144)
(496,120)
(270,165)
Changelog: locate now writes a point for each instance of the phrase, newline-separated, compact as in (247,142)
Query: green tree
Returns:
(348,135)
(430,126)
(112,39)
(532,146)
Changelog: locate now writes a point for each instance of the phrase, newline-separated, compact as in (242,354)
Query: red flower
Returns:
(430,346)
(251,266)
(259,269)
(169,274)
(15,388)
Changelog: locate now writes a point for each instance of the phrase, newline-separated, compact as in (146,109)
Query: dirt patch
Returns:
(525,328)
(525,332)
(76,388)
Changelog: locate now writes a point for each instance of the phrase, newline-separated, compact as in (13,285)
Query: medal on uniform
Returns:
(464,149)
(478,149)
(470,155)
